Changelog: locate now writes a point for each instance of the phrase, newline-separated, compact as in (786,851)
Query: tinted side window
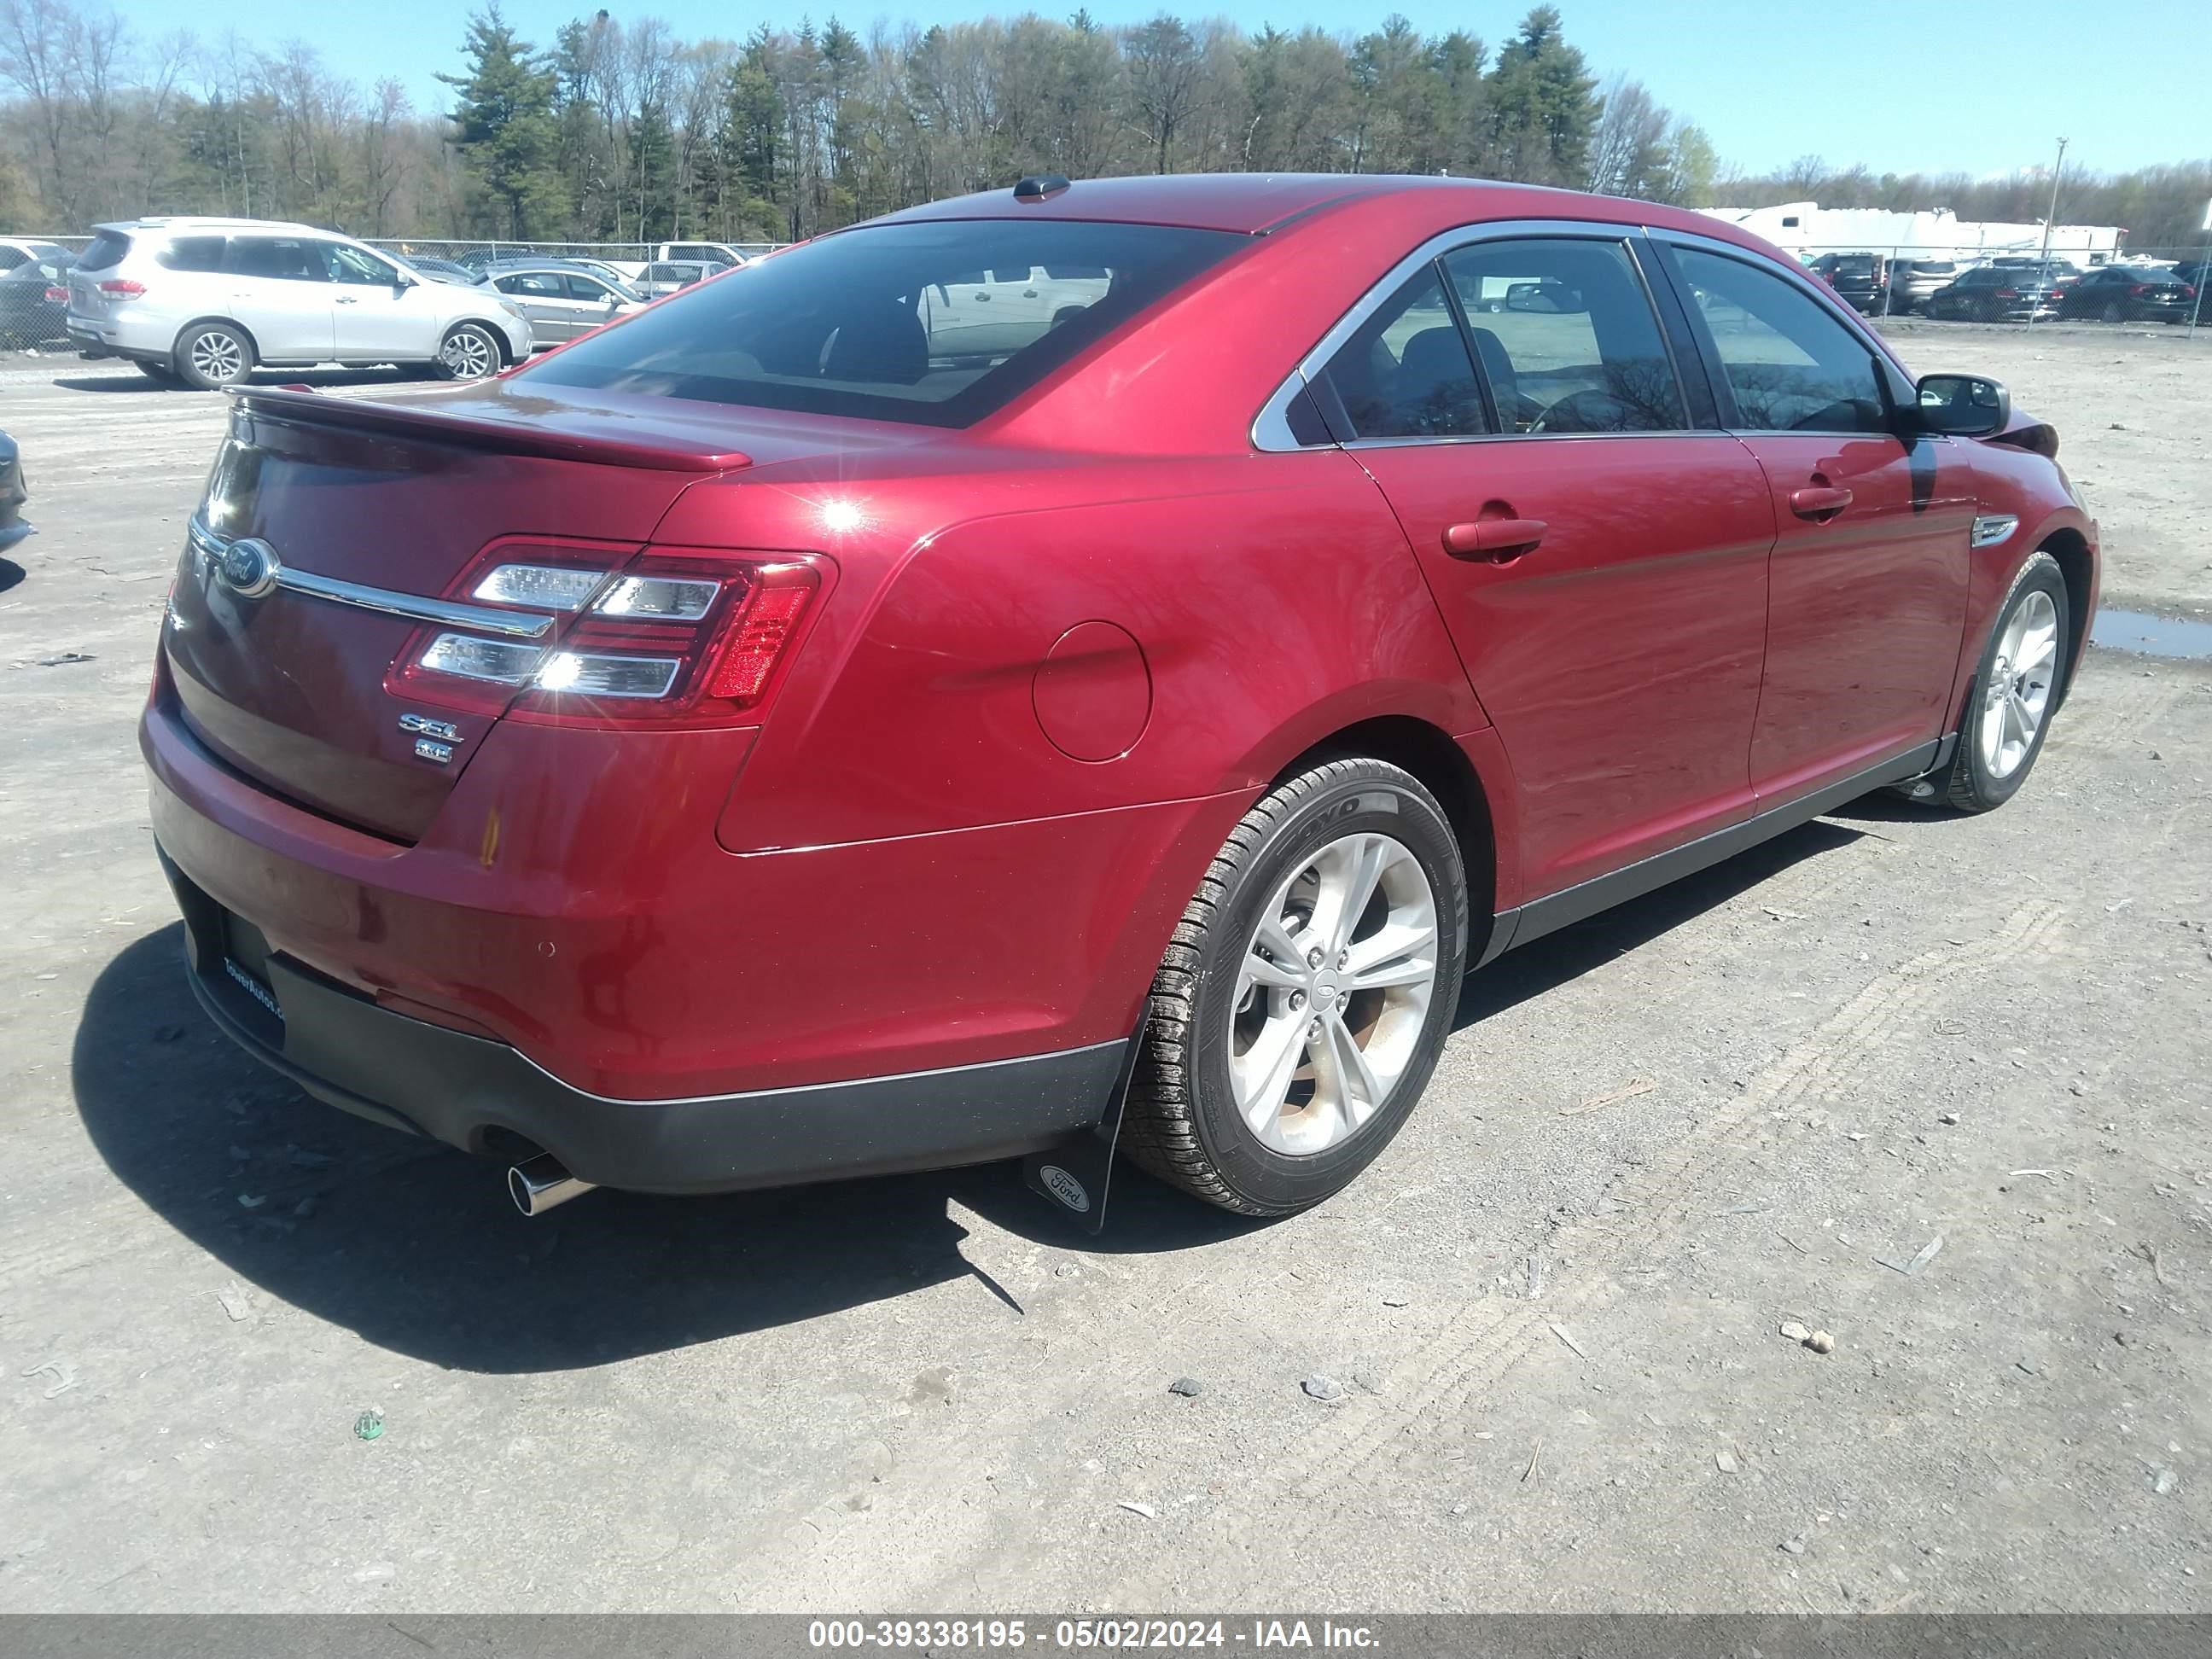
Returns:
(589,289)
(1406,374)
(193,254)
(1567,337)
(1791,367)
(538,284)
(11,257)
(286,257)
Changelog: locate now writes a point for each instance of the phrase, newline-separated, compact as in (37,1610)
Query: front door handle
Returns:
(1498,539)
(1819,501)
(349,300)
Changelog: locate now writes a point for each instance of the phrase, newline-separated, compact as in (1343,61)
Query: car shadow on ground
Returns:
(417,1248)
(1545,963)
(322,378)
(10,574)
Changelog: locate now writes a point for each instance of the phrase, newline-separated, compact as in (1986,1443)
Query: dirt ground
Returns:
(2133,406)
(1933,1085)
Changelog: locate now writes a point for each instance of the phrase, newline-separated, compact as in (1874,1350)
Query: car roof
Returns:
(187,223)
(1268,202)
(551,262)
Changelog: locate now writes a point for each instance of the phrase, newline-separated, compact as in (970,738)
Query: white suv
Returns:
(205,300)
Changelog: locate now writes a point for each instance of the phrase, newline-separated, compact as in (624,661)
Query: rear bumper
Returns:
(470,1092)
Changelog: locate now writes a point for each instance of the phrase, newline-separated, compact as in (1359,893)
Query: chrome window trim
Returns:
(1271,427)
(1526,437)
(510,624)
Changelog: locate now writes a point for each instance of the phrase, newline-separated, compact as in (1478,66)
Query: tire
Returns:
(2114,312)
(212,356)
(469,352)
(1183,1122)
(1983,777)
(1989,311)
(161,374)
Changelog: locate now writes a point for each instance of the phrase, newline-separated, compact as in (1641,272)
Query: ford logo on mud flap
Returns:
(248,566)
(1064,1187)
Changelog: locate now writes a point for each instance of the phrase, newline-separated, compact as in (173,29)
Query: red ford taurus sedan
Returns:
(1139,640)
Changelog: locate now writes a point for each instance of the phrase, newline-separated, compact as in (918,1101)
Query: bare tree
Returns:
(1628,152)
(1163,70)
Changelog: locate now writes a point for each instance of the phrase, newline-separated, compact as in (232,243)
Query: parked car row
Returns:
(2010,288)
(34,291)
(206,301)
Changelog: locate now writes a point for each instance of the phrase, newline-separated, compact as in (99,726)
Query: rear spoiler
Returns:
(487,425)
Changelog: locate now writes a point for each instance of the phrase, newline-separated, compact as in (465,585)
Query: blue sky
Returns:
(1901,85)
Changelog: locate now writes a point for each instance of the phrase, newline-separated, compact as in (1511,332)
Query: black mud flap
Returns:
(1075,1173)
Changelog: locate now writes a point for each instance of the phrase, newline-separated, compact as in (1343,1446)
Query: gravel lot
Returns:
(1553,1307)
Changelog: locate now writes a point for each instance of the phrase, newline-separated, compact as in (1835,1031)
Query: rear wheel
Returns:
(212,356)
(1311,983)
(469,353)
(2016,686)
(161,372)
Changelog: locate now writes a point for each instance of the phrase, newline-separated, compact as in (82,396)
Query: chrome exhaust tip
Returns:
(540,1184)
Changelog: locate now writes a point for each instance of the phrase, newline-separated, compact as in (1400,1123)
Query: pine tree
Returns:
(507,134)
(1543,107)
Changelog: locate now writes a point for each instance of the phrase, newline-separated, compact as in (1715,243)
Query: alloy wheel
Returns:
(2019,693)
(1333,990)
(466,355)
(216,355)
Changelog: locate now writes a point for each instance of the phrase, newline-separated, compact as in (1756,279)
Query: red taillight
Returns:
(2137,290)
(2008,294)
(758,634)
(122,288)
(679,637)
(57,296)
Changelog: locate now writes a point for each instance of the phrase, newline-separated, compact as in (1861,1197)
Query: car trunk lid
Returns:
(364,505)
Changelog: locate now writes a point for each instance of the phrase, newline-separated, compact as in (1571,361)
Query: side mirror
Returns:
(1961,406)
(1552,299)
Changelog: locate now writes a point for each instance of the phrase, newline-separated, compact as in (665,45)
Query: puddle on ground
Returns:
(2149,635)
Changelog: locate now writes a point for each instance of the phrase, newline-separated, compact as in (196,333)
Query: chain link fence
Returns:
(2031,285)
(476,254)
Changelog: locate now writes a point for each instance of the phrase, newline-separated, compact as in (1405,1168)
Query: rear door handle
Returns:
(1818,501)
(1493,538)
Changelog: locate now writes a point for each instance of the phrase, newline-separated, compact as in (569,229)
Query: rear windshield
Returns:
(938,324)
(105,253)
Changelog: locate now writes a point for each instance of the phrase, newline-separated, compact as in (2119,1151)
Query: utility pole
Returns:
(2050,221)
(2203,273)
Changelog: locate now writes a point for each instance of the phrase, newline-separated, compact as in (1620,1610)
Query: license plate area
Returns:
(241,977)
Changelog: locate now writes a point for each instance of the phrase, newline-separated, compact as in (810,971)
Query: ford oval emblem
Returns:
(1064,1187)
(248,567)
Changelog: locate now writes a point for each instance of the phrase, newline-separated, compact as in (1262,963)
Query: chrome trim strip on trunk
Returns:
(483,619)
(514,624)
